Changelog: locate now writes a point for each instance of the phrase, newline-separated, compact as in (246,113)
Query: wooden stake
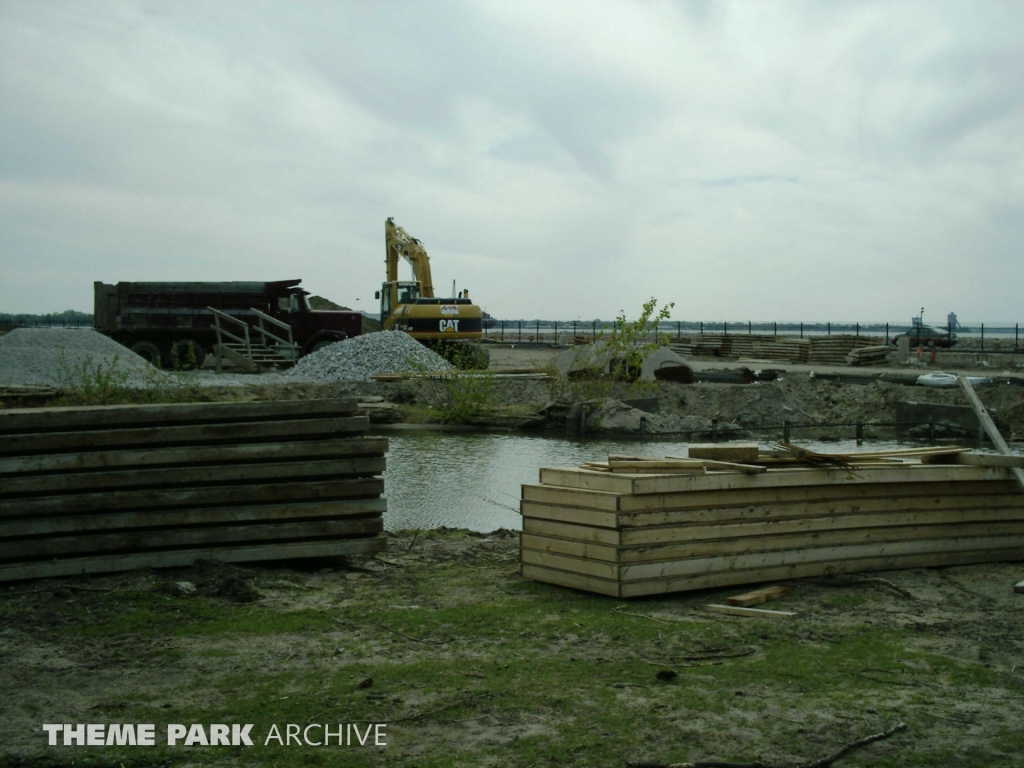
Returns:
(760,613)
(989,426)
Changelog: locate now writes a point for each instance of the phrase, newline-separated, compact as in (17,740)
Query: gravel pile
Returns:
(359,358)
(62,357)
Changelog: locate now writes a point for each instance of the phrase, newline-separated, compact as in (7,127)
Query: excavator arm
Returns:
(400,244)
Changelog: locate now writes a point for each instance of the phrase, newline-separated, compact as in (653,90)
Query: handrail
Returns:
(217,317)
(274,320)
(264,333)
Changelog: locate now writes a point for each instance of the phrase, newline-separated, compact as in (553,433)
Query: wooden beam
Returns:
(757,525)
(94,417)
(186,557)
(168,477)
(756,613)
(346,447)
(758,596)
(742,453)
(662,484)
(259,513)
(118,439)
(826,554)
(665,556)
(159,539)
(989,426)
(177,498)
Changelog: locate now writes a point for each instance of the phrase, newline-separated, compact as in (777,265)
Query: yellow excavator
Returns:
(447,325)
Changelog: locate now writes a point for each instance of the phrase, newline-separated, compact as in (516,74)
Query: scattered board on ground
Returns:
(757,613)
(631,533)
(758,596)
(98,489)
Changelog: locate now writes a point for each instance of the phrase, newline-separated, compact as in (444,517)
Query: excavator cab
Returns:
(396,294)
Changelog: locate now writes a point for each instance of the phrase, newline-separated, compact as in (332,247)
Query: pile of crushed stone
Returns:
(359,358)
(70,358)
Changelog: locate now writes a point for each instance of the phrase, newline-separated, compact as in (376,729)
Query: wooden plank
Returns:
(570,497)
(185,557)
(823,522)
(805,570)
(651,467)
(751,545)
(583,549)
(740,453)
(639,505)
(586,533)
(120,439)
(569,514)
(604,501)
(638,571)
(989,426)
(601,570)
(755,613)
(108,416)
(167,477)
(758,596)
(784,517)
(1019,587)
(21,550)
(788,478)
(976,459)
(256,493)
(573,580)
(261,513)
(348,447)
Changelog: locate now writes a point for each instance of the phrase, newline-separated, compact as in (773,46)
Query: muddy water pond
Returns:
(472,480)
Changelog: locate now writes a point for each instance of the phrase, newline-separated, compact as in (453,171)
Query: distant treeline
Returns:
(67,317)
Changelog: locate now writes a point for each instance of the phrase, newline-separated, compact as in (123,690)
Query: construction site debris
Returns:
(358,359)
(59,357)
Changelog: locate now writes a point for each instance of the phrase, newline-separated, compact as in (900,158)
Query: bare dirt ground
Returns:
(471,665)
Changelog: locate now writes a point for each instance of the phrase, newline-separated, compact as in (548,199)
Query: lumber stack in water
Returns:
(628,534)
(99,489)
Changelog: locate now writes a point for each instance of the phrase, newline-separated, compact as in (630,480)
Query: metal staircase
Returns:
(270,351)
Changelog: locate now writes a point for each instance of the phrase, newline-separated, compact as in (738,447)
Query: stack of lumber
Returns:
(99,489)
(833,350)
(674,526)
(875,355)
(781,348)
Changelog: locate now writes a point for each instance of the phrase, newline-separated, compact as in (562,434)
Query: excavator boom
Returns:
(400,243)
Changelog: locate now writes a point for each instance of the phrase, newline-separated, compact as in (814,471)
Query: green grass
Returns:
(494,670)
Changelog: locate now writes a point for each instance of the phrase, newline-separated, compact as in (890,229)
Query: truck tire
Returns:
(148,351)
(321,344)
(187,355)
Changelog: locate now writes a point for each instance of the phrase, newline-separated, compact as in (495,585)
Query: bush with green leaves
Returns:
(615,359)
(92,381)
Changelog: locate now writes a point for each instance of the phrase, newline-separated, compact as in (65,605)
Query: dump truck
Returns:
(253,324)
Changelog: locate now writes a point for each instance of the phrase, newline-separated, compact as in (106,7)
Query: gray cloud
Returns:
(784,160)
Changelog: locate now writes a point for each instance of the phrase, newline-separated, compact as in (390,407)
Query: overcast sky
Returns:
(567,160)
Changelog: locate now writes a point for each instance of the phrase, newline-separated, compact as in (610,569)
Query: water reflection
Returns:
(473,480)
